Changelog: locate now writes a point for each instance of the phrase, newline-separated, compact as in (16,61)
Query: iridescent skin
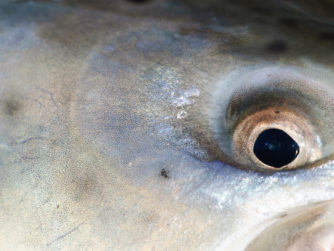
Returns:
(105,137)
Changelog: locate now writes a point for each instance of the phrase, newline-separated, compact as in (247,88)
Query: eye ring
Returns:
(253,99)
(293,124)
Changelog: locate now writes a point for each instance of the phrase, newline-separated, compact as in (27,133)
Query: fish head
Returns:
(133,125)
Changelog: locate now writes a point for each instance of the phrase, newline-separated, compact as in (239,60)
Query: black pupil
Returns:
(275,148)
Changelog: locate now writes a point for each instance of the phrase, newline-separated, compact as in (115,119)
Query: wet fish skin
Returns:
(97,100)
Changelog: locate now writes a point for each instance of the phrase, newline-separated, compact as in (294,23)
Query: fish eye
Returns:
(275,148)
(273,119)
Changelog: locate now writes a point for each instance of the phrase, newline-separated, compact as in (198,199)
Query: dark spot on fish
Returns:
(289,22)
(262,10)
(138,1)
(164,173)
(277,46)
(283,215)
(326,36)
(12,107)
(277,112)
(86,187)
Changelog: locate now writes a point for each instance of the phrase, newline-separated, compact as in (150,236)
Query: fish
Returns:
(137,125)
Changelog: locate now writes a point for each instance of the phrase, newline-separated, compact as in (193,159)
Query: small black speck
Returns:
(277,111)
(164,173)
(277,46)
(57,206)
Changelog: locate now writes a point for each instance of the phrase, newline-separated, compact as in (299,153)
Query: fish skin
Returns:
(97,100)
